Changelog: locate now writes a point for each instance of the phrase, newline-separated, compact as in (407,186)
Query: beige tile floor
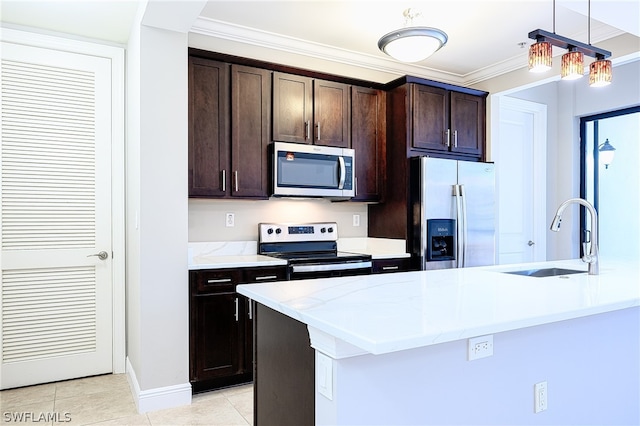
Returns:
(107,400)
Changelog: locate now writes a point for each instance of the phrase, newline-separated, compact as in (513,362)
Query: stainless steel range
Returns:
(311,250)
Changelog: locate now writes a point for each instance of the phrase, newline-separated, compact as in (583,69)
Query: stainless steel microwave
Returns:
(301,170)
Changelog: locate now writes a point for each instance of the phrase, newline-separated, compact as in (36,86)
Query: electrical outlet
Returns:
(540,396)
(230,220)
(356,220)
(480,347)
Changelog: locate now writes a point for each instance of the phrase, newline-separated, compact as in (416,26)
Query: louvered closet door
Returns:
(56,213)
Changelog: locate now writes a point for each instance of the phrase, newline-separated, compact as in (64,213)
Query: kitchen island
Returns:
(394,349)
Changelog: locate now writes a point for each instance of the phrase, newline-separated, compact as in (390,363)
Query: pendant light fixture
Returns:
(606,152)
(541,52)
(572,67)
(412,43)
(600,73)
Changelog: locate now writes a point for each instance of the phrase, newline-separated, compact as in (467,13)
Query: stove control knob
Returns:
(330,230)
(270,231)
(323,230)
(278,231)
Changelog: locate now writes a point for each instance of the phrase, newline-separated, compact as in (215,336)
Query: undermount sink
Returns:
(547,272)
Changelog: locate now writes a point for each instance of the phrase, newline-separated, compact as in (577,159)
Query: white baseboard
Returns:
(159,398)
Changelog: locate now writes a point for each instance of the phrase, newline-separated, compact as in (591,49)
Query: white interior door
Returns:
(521,181)
(56,216)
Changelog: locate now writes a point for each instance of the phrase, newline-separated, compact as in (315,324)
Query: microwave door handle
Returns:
(343,172)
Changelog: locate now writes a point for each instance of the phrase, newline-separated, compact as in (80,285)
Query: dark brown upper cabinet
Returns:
(446,121)
(209,121)
(311,111)
(368,139)
(250,131)
(229,129)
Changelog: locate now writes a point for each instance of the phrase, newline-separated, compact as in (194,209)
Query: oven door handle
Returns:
(331,267)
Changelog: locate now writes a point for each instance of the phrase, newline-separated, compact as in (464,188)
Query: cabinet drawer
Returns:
(215,281)
(261,275)
(383,266)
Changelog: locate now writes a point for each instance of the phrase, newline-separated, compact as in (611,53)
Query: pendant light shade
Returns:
(412,44)
(606,152)
(600,73)
(572,65)
(540,57)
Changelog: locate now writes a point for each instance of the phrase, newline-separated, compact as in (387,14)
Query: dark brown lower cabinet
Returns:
(284,385)
(221,326)
(396,264)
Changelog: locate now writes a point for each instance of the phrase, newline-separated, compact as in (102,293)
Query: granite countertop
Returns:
(243,254)
(390,312)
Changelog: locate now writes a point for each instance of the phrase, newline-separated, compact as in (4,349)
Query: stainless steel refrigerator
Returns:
(453,213)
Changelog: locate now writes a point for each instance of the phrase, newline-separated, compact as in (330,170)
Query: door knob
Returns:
(530,243)
(102,255)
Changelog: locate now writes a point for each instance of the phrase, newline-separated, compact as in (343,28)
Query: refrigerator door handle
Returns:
(463,199)
(459,219)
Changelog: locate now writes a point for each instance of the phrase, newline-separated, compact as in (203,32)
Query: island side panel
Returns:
(590,364)
(284,363)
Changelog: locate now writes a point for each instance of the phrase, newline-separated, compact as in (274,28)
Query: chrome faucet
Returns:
(592,257)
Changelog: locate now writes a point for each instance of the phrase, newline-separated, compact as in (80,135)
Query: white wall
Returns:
(157,279)
(567,102)
(207,217)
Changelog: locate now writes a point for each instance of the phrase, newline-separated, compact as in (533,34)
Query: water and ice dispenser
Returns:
(441,239)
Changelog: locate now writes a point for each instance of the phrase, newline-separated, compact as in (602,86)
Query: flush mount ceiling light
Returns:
(573,61)
(412,44)
(606,152)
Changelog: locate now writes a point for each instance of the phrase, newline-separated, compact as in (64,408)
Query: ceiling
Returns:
(484,35)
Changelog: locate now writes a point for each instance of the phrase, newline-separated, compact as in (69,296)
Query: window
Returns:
(612,190)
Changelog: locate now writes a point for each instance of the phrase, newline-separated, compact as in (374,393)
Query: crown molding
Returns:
(264,39)
(268,40)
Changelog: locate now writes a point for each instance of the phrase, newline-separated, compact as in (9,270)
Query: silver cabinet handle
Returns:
(390,268)
(219,280)
(266,277)
(236,315)
(318,130)
(224,180)
(103,255)
(455,138)
(448,141)
(306,130)
(235,179)
(250,309)
(356,185)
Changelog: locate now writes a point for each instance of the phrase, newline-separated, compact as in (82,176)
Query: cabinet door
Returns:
(430,117)
(331,114)
(218,352)
(467,123)
(250,136)
(368,130)
(208,128)
(292,108)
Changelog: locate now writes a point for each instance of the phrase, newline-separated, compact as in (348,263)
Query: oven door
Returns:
(301,271)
